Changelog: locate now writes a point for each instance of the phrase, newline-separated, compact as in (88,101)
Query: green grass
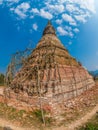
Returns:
(38,114)
(23,118)
(1,84)
(91,125)
(20,116)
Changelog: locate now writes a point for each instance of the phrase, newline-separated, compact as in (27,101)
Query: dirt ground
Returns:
(88,110)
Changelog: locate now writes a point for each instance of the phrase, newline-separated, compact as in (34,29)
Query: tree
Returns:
(2,79)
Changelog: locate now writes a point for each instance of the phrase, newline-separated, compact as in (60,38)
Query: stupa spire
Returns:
(49,29)
(49,22)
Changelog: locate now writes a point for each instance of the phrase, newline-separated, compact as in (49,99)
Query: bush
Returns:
(2,79)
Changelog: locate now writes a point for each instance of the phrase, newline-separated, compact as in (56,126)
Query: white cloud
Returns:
(32,16)
(12,9)
(24,6)
(55,8)
(72,8)
(76,30)
(9,1)
(88,4)
(61,31)
(21,10)
(20,13)
(70,34)
(84,4)
(35,26)
(35,10)
(58,1)
(69,19)
(80,18)
(45,14)
(42,13)
(70,43)
(59,21)
(62,12)
(1,1)
(13,1)
(68,28)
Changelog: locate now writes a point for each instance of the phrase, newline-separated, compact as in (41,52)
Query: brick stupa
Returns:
(50,76)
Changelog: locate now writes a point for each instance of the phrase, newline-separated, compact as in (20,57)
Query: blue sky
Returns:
(76,23)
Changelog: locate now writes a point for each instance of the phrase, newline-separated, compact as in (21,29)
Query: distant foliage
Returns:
(2,79)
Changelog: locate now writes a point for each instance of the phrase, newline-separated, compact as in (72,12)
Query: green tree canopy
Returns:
(2,79)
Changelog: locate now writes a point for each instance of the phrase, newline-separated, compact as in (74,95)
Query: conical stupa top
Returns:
(49,29)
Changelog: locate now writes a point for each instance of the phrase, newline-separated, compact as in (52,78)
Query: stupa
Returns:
(50,76)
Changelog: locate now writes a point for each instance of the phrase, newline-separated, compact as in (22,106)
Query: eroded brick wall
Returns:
(74,81)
